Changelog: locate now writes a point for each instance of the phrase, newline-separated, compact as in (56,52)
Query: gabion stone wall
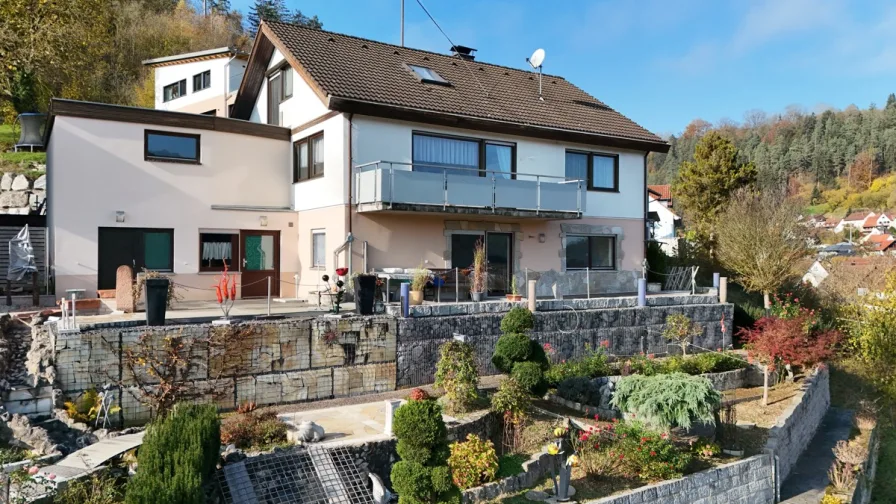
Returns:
(626,331)
(271,363)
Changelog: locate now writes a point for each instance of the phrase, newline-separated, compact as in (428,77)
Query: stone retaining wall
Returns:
(747,481)
(20,195)
(276,362)
(862,492)
(534,470)
(628,331)
(797,424)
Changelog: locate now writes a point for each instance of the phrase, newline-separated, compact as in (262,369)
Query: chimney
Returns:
(463,52)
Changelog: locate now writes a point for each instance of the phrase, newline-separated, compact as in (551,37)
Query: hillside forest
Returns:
(93,49)
(833,161)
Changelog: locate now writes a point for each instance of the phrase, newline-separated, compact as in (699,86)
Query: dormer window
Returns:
(428,75)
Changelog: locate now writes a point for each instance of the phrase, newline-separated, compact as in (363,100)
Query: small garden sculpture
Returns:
(337,291)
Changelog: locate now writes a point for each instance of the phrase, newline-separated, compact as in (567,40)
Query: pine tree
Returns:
(265,10)
(891,101)
(300,19)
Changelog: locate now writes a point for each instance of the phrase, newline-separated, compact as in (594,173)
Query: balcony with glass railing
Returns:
(394,186)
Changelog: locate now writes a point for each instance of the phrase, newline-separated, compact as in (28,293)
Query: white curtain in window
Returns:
(576,166)
(604,172)
(216,250)
(499,158)
(441,151)
(318,249)
(318,155)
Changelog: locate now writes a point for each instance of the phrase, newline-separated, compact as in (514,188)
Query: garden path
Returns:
(808,479)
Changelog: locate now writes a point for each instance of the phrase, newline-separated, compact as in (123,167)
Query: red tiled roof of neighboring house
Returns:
(881,242)
(848,274)
(365,76)
(663,192)
(871,220)
(856,216)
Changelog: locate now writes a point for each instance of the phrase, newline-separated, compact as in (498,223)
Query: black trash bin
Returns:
(156,300)
(365,291)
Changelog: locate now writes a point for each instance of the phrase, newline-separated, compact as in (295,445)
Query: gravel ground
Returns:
(485,383)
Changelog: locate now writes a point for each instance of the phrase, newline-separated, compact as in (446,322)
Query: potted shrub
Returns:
(514,291)
(365,293)
(479,272)
(418,283)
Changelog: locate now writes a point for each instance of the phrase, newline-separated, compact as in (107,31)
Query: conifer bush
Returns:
(178,454)
(515,349)
(422,475)
(517,320)
(671,400)
(510,349)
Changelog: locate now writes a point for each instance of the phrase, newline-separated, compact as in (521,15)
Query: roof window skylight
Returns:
(427,74)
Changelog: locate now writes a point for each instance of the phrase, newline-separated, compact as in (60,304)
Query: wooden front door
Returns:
(260,252)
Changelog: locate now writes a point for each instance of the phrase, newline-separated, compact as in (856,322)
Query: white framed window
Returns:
(318,248)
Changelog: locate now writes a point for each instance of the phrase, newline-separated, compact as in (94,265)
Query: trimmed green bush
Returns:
(518,320)
(664,401)
(529,375)
(422,475)
(510,349)
(179,453)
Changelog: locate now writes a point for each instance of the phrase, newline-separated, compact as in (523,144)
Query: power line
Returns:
(453,45)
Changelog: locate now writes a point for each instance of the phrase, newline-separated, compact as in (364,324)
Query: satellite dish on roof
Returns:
(537,58)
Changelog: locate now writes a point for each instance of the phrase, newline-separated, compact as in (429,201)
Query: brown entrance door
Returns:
(260,251)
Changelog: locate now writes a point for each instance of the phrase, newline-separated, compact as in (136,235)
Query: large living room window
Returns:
(170,146)
(590,252)
(308,157)
(600,171)
(467,156)
(217,250)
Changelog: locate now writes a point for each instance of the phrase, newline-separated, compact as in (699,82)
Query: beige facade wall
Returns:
(331,221)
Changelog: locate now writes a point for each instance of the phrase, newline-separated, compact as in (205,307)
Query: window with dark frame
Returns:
(599,171)
(468,156)
(279,90)
(174,91)
(594,252)
(218,249)
(202,81)
(171,147)
(308,157)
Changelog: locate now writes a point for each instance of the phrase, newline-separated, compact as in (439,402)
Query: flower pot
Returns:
(515,297)
(416,298)
(477,296)
(365,290)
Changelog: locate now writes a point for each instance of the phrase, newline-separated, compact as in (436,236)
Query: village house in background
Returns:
(346,152)
(663,220)
(849,278)
(203,82)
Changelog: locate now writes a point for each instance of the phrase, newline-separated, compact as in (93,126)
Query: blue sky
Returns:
(661,62)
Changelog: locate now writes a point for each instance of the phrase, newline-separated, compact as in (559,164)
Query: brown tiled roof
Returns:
(857,216)
(372,72)
(664,192)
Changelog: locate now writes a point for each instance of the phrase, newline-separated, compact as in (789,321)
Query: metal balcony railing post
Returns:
(391,184)
(444,188)
(537,194)
(494,192)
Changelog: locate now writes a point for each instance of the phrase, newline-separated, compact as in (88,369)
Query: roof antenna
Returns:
(536,60)
(402,23)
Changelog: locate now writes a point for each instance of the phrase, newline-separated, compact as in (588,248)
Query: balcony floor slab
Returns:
(461,210)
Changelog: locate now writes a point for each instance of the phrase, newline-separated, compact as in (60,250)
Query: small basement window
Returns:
(218,249)
(171,147)
(428,75)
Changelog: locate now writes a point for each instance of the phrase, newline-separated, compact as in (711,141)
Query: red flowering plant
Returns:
(776,341)
(225,291)
(787,306)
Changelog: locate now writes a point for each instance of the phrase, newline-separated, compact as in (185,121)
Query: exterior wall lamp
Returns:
(119,216)
(263,221)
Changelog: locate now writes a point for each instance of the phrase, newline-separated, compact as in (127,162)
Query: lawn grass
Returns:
(850,383)
(510,465)
(9,160)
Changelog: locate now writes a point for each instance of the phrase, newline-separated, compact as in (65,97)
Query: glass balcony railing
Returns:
(385,184)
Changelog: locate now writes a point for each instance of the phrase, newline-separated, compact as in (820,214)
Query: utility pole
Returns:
(402,23)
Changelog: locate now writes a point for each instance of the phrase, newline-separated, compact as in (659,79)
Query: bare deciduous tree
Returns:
(759,239)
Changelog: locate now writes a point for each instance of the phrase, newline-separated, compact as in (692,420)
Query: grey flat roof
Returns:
(197,54)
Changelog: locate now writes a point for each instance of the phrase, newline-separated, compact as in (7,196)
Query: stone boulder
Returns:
(14,199)
(41,182)
(306,432)
(24,435)
(20,183)
(6,182)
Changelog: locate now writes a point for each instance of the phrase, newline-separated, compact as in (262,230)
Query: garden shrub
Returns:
(649,455)
(85,408)
(473,462)
(422,475)
(668,400)
(593,365)
(178,454)
(511,348)
(517,320)
(529,375)
(579,389)
(456,374)
(99,488)
(511,400)
(253,429)
(418,394)
(680,329)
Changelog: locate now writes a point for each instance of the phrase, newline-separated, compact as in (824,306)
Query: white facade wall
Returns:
(375,139)
(665,228)
(97,168)
(225,71)
(303,106)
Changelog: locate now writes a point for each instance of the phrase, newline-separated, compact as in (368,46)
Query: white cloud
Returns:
(770,19)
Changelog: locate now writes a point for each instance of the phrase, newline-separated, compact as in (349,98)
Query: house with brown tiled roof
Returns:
(880,221)
(344,152)
(854,220)
(662,193)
